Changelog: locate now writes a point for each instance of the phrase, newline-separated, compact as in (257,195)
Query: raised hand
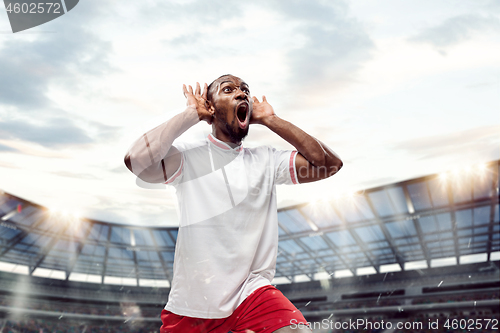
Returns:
(262,111)
(198,101)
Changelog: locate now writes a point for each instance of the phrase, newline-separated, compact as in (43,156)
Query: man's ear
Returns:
(210,107)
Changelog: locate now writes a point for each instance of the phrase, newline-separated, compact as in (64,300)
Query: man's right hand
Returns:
(198,101)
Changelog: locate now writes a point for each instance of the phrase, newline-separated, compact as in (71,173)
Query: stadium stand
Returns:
(412,253)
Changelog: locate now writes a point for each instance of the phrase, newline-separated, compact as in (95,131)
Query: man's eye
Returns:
(226,89)
(246,91)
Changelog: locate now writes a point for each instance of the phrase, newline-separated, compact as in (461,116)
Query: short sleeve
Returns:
(175,179)
(284,167)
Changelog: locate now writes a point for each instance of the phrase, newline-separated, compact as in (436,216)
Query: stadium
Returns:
(421,255)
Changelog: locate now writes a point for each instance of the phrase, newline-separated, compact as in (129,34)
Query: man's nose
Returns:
(240,94)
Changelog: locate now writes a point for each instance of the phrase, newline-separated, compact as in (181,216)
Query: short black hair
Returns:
(211,87)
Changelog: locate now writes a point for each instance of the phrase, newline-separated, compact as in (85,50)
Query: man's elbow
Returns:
(128,162)
(143,175)
(339,164)
(319,160)
(335,165)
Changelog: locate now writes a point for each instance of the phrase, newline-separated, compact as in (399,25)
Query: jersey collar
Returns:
(222,145)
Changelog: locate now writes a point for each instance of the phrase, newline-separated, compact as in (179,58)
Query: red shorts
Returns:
(263,311)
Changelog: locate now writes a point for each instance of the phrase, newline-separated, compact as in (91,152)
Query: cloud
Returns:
(4,148)
(456,30)
(481,85)
(102,132)
(332,46)
(120,169)
(186,39)
(322,44)
(76,175)
(54,132)
(195,12)
(29,67)
(493,6)
(197,40)
(480,140)
(8,165)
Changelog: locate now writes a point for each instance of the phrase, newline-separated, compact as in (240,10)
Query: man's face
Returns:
(233,107)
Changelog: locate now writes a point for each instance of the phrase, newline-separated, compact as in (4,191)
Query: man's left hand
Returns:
(262,111)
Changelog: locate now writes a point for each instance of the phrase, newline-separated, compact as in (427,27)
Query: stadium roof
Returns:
(432,221)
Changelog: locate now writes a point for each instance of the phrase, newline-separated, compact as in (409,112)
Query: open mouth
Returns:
(242,115)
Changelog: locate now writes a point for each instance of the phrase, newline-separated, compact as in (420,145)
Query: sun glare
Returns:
(481,167)
(443,176)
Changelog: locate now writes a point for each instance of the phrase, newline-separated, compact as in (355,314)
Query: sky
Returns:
(398,89)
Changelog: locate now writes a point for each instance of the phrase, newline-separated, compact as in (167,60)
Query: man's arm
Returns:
(315,160)
(152,157)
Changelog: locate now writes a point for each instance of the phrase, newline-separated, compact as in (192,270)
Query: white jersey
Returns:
(228,235)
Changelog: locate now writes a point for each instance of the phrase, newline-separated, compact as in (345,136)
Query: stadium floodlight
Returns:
(154,283)
(481,167)
(342,273)
(9,215)
(75,215)
(72,219)
(321,276)
(14,268)
(63,212)
(440,262)
(350,194)
(411,265)
(132,238)
(118,280)
(281,280)
(390,268)
(316,203)
(49,273)
(301,278)
(443,176)
(82,277)
(365,271)
(473,258)
(7,266)
(495,256)
(311,224)
(54,210)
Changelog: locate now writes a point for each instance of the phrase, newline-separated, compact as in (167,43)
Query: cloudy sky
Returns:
(399,89)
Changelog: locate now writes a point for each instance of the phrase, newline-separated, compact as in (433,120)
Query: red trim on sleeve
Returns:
(291,167)
(177,174)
